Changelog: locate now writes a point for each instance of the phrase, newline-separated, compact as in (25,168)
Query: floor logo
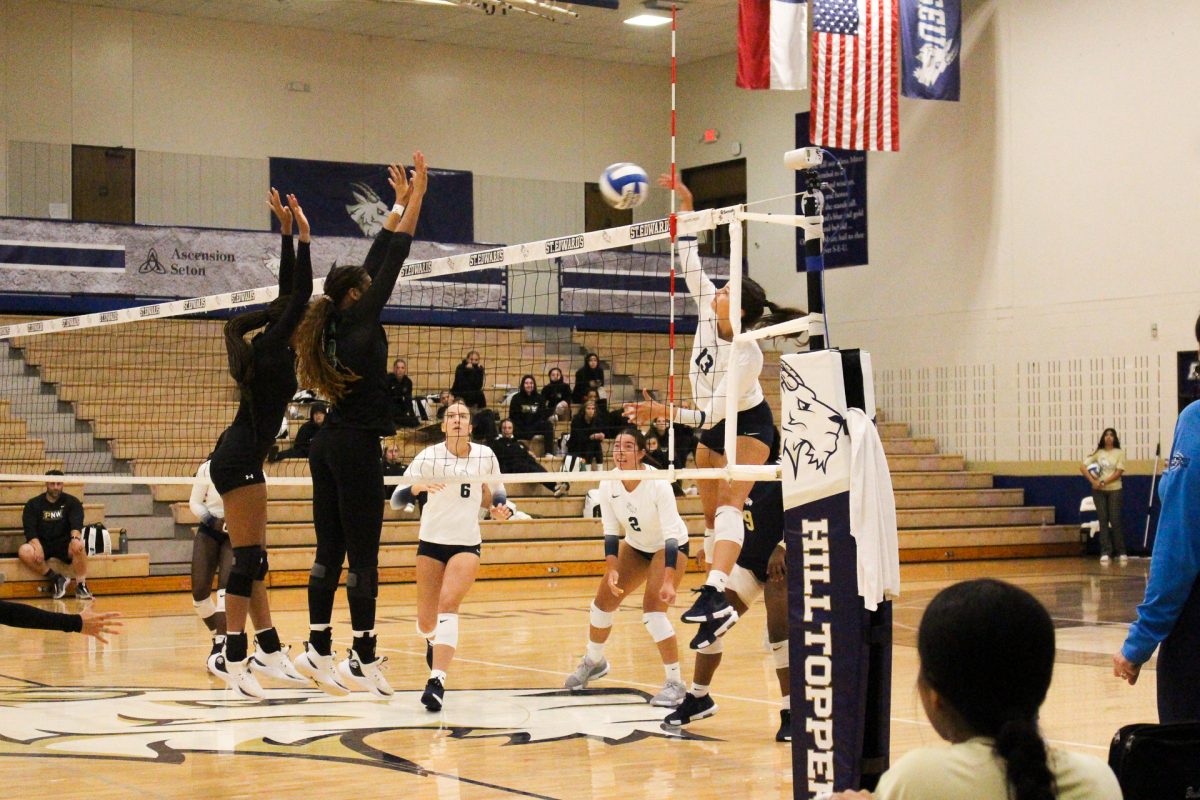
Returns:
(163,725)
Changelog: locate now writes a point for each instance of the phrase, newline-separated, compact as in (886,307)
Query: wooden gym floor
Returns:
(140,718)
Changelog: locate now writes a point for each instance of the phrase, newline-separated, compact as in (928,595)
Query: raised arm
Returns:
(384,281)
(300,288)
(287,251)
(398,179)
(700,287)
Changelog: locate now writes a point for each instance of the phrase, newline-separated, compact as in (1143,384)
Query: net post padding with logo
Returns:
(840,653)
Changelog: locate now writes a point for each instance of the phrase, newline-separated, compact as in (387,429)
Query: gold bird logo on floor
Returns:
(163,725)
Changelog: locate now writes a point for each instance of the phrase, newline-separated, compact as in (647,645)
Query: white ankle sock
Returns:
(717,578)
(673,672)
(439,674)
(595,652)
(785,702)
(698,690)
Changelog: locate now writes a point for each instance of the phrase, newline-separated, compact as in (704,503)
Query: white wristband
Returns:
(398,209)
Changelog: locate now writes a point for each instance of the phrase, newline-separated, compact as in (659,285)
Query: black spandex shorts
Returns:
(236,462)
(56,548)
(445,552)
(220,537)
(683,549)
(757,423)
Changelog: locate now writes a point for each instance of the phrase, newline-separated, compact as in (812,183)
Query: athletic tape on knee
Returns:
(658,625)
(322,575)
(205,608)
(247,561)
(600,619)
(730,526)
(446,632)
(713,649)
(779,652)
(362,583)
(220,601)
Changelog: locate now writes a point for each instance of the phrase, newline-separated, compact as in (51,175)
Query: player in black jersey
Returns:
(342,352)
(760,569)
(264,369)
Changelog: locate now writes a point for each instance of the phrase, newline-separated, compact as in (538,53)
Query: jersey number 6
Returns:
(465,490)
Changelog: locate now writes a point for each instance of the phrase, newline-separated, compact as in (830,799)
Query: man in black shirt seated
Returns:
(512,455)
(54,529)
(400,395)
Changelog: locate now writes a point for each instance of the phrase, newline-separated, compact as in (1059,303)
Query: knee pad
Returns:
(427,636)
(205,608)
(362,583)
(779,652)
(325,577)
(744,584)
(247,563)
(730,526)
(446,632)
(658,625)
(220,601)
(600,619)
(716,648)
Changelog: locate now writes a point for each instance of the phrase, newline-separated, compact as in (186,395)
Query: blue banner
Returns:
(344,199)
(930,44)
(845,206)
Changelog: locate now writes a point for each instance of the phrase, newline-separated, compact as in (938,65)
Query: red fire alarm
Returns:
(710,135)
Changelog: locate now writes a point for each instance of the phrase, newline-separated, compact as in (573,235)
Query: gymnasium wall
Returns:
(1023,241)
(205,103)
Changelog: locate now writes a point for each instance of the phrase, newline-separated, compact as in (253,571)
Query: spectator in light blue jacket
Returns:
(1169,617)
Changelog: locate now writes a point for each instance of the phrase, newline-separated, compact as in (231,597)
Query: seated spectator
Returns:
(444,401)
(557,394)
(588,432)
(468,381)
(987,654)
(589,376)
(529,414)
(304,436)
(392,466)
(512,455)
(53,523)
(685,439)
(485,426)
(400,394)
(656,452)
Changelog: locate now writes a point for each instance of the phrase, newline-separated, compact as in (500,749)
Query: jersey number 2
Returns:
(633,523)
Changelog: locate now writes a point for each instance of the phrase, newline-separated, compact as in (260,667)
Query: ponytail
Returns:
(238,350)
(314,346)
(1021,746)
(755,302)
(784,314)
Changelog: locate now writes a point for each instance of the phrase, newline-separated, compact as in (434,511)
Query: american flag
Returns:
(854,80)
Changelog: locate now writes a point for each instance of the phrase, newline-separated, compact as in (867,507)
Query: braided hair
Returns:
(317,365)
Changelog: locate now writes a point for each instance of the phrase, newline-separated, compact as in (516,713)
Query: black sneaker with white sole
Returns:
(431,698)
(709,632)
(784,734)
(82,592)
(710,606)
(691,709)
(58,587)
(216,664)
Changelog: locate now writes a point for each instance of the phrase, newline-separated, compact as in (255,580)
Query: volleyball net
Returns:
(140,394)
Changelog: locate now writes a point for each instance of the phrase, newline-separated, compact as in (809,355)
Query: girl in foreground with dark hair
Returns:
(987,654)
(264,370)
(713,352)
(342,352)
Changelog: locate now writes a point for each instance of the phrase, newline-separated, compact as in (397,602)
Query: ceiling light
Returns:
(648,20)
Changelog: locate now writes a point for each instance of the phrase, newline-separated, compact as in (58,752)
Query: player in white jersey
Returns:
(712,351)
(449,542)
(654,535)
(211,554)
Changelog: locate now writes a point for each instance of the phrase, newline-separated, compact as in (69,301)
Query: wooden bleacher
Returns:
(159,393)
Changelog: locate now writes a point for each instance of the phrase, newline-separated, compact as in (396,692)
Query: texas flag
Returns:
(772,44)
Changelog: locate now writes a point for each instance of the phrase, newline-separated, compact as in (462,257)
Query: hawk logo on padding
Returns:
(812,430)
(368,211)
(934,60)
(163,725)
(152,264)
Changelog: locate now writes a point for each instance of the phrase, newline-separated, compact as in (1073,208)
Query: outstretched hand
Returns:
(686,203)
(398,180)
(612,582)
(100,623)
(420,177)
(281,212)
(500,512)
(298,214)
(641,413)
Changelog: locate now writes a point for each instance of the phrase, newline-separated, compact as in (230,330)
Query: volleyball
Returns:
(624,185)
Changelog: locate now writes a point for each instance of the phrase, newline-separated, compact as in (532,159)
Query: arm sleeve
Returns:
(196,500)
(384,280)
(29,521)
(671,553)
(18,615)
(74,515)
(300,292)
(1176,562)
(402,496)
(379,248)
(287,263)
(698,283)
(607,514)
